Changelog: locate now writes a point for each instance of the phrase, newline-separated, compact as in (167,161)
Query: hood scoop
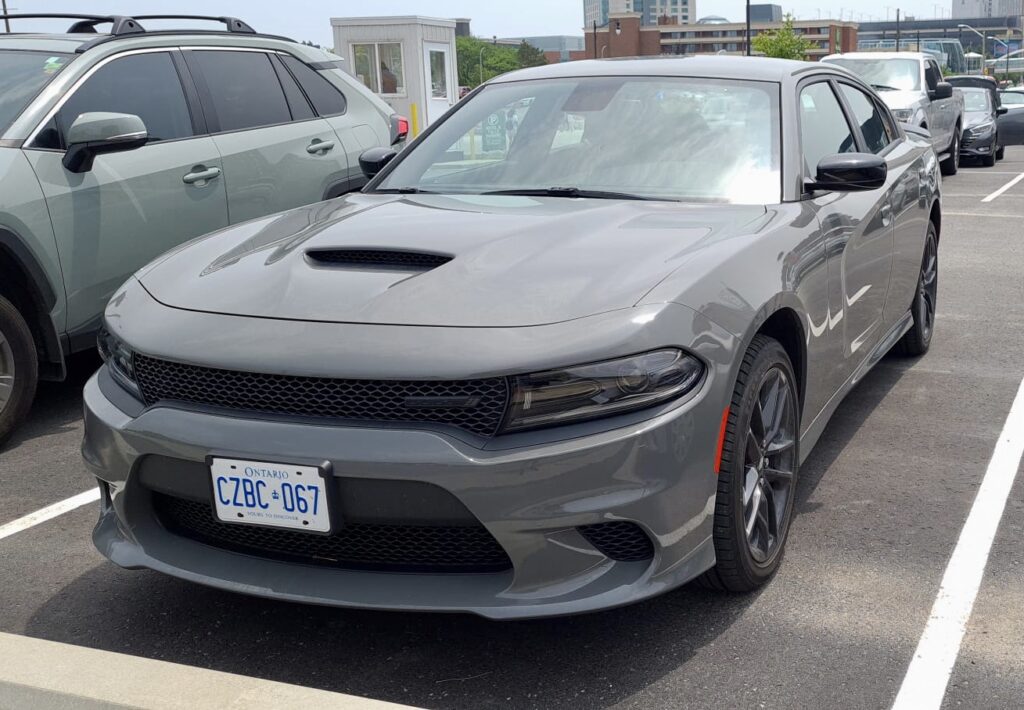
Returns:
(389,259)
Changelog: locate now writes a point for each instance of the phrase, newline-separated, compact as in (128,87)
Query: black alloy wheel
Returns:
(918,339)
(758,473)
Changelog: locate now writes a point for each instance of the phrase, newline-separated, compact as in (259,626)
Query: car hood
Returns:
(901,99)
(973,118)
(514,261)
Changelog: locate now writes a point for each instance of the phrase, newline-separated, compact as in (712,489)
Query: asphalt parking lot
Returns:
(880,507)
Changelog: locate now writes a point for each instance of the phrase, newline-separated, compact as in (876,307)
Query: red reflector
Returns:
(721,440)
(403,126)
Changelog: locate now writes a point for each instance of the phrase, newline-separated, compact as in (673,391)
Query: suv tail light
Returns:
(399,128)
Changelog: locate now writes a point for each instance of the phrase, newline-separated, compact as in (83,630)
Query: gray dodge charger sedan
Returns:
(566,351)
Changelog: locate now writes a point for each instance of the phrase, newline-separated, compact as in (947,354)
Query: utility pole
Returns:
(748,28)
(7,23)
(897,29)
(595,39)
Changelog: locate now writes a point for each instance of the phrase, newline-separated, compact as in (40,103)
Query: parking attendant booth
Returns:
(410,62)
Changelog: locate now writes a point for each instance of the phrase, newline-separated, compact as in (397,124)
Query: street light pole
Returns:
(748,28)
(968,27)
(7,23)
(482,63)
(1005,44)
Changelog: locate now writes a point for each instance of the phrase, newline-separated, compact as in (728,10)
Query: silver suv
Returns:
(116,147)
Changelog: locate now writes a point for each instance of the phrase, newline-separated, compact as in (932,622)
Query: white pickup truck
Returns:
(911,85)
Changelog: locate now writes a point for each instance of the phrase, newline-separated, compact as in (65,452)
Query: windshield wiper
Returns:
(569,192)
(883,87)
(405,191)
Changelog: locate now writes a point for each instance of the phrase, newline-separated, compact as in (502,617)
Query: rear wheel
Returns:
(19,368)
(758,472)
(918,339)
(950,165)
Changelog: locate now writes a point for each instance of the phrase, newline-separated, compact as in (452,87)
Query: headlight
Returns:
(982,128)
(601,389)
(903,114)
(119,358)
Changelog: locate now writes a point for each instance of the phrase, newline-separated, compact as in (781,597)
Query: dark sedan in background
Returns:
(524,375)
(981,139)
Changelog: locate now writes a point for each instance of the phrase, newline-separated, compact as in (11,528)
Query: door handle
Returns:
(200,175)
(319,146)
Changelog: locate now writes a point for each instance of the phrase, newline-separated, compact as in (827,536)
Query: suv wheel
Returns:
(19,368)
(951,164)
(758,472)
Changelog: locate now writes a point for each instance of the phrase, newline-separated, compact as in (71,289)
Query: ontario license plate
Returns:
(271,494)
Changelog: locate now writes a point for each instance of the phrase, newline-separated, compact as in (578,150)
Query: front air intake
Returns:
(378,259)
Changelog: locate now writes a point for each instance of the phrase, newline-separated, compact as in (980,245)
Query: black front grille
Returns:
(369,546)
(373,258)
(476,406)
(620,540)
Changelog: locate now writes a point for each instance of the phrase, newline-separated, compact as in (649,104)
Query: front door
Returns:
(439,80)
(132,206)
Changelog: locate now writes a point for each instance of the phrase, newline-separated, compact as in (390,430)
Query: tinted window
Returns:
(22,76)
(146,85)
(244,89)
(301,110)
(872,126)
(327,100)
(823,127)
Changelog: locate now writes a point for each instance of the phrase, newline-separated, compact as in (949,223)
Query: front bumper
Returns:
(977,145)
(657,473)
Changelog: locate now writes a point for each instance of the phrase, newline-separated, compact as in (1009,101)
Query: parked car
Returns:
(911,85)
(116,147)
(978,81)
(981,138)
(1011,124)
(561,379)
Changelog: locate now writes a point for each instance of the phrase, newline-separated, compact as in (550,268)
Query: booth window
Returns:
(379,67)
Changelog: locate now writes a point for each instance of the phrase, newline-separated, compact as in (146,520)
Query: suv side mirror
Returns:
(372,161)
(850,172)
(96,133)
(1002,111)
(942,90)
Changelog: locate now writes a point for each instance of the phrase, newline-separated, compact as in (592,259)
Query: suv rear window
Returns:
(326,99)
(23,74)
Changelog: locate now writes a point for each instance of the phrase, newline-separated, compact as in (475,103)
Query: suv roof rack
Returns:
(123,25)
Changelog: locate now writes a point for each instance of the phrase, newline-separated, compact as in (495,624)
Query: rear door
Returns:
(131,206)
(857,227)
(277,153)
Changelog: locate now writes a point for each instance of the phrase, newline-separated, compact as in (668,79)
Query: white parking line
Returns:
(1003,189)
(924,686)
(49,512)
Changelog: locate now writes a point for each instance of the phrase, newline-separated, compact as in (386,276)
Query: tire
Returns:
(951,165)
(739,567)
(918,339)
(19,368)
(1000,151)
(989,161)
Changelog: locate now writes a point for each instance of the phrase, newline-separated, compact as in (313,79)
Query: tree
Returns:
(475,54)
(783,43)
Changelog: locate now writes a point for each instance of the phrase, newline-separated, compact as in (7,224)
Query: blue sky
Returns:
(310,19)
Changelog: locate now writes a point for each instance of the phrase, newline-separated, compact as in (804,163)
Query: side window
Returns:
(300,107)
(823,127)
(872,125)
(243,89)
(146,85)
(326,99)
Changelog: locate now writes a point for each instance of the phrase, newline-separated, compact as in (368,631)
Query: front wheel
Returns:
(758,472)
(1000,151)
(951,165)
(918,339)
(989,160)
(19,369)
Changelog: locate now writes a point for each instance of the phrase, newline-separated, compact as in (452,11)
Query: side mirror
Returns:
(1002,111)
(850,172)
(372,161)
(97,133)
(942,90)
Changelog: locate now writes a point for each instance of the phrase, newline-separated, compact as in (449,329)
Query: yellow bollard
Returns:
(415,118)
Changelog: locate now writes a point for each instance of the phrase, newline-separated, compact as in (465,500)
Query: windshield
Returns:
(642,137)
(976,100)
(22,75)
(884,74)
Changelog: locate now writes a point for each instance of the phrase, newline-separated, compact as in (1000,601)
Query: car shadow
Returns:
(58,405)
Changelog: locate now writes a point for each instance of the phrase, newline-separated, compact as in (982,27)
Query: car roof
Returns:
(881,55)
(714,66)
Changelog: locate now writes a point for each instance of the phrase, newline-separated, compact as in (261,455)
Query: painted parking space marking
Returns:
(924,686)
(1004,188)
(982,214)
(49,512)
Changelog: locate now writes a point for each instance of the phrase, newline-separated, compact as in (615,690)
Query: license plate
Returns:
(271,494)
